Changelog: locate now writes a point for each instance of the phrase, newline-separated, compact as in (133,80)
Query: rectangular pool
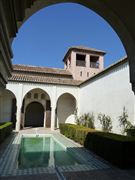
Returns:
(44,152)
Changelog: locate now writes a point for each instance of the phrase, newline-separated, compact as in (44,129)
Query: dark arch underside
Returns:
(34,115)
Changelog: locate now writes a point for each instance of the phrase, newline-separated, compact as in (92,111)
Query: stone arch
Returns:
(8,107)
(34,88)
(66,108)
(34,115)
(36,95)
(111,12)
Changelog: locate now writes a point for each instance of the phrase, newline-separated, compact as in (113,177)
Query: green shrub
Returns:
(75,132)
(86,120)
(105,122)
(123,120)
(5,130)
(117,149)
(130,131)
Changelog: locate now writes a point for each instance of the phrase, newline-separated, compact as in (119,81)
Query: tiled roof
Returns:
(83,49)
(87,48)
(37,78)
(38,69)
(24,76)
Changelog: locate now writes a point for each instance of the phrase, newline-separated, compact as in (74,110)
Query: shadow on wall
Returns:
(8,107)
(66,107)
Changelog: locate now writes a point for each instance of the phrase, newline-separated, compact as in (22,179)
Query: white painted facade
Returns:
(108,94)
(6,106)
(54,93)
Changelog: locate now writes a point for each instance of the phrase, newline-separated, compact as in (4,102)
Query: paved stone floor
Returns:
(111,174)
(102,174)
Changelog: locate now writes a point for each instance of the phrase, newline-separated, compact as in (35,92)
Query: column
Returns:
(18,118)
(87,61)
(19,105)
(53,107)
(45,119)
(53,118)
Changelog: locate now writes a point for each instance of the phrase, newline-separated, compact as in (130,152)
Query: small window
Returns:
(80,60)
(42,96)
(80,73)
(36,96)
(87,74)
(94,61)
(28,95)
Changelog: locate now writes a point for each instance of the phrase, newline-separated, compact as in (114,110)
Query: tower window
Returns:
(80,73)
(80,60)
(87,74)
(94,61)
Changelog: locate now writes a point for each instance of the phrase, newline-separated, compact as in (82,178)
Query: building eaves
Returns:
(38,69)
(22,77)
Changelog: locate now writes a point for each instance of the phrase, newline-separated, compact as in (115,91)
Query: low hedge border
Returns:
(75,132)
(130,132)
(5,130)
(117,149)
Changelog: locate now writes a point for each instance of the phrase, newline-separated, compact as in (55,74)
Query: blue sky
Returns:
(46,36)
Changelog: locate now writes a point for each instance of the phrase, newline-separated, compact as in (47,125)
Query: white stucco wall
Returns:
(66,106)
(53,91)
(6,106)
(20,89)
(108,94)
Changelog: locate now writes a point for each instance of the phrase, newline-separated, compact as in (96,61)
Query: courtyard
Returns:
(93,166)
(71,123)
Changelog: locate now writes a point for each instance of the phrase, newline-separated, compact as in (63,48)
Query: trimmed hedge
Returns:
(117,149)
(130,132)
(5,130)
(75,132)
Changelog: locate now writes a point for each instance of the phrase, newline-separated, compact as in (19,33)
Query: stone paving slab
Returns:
(108,174)
(10,156)
(31,177)
(96,174)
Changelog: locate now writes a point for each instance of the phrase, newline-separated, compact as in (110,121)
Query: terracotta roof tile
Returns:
(38,69)
(87,48)
(42,79)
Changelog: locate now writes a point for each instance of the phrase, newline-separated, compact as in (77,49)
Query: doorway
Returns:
(34,115)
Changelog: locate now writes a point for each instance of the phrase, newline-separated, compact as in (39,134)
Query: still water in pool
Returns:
(44,152)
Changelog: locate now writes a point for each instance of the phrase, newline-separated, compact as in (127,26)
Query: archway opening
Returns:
(66,107)
(34,115)
(8,107)
(36,110)
(55,36)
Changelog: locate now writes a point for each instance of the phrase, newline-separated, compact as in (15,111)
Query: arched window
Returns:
(36,96)
(42,96)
